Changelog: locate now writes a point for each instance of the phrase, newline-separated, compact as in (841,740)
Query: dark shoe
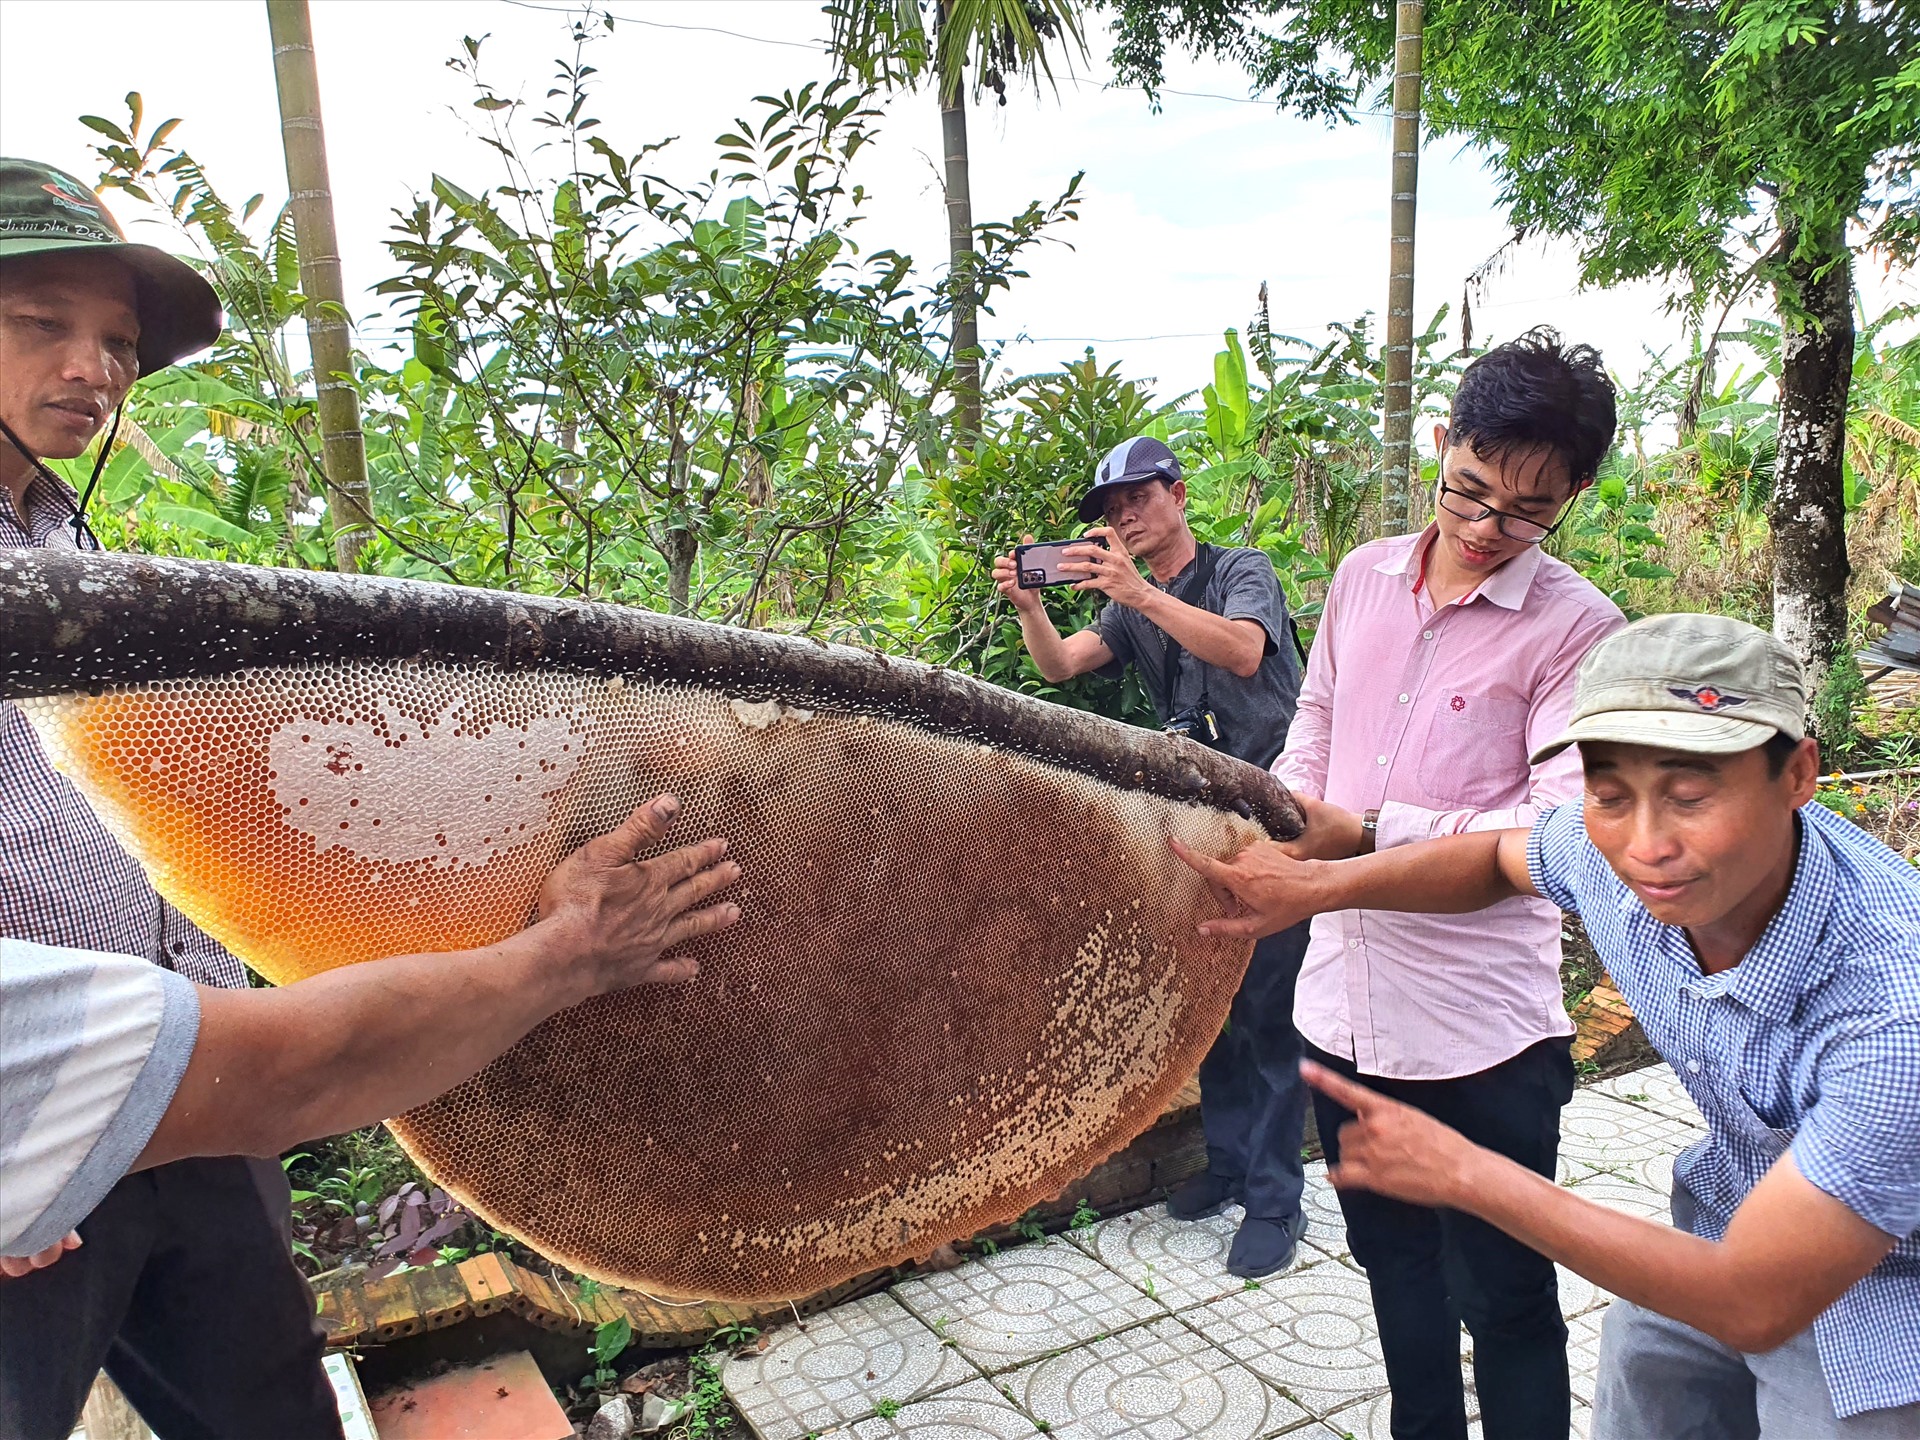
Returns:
(1201,1197)
(1263,1248)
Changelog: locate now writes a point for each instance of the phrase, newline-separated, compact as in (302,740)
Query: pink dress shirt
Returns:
(1429,716)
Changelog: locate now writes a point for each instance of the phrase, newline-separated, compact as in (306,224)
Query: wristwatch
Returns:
(1369,831)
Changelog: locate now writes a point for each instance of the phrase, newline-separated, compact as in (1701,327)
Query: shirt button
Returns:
(1694,1066)
(1353,944)
(1403,699)
(1380,760)
(1426,635)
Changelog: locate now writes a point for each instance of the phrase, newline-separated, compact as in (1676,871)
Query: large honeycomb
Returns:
(964,975)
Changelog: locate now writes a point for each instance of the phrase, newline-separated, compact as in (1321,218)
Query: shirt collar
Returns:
(42,494)
(1789,961)
(1507,587)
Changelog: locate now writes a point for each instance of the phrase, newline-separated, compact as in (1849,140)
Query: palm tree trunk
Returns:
(342,449)
(1808,512)
(966,331)
(1397,357)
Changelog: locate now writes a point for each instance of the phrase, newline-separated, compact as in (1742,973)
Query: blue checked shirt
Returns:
(1810,1046)
(63,879)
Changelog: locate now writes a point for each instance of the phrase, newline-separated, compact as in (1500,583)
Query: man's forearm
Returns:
(1698,1282)
(355,1045)
(1454,875)
(1046,645)
(1210,638)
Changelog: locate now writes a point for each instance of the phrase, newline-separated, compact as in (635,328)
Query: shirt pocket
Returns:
(1476,751)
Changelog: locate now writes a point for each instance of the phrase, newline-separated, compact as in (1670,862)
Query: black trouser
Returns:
(1432,1270)
(186,1294)
(1253,1104)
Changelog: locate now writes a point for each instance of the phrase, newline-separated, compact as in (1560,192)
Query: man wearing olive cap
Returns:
(183,1285)
(1771,951)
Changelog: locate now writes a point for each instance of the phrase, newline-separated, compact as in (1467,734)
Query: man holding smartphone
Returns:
(1208,631)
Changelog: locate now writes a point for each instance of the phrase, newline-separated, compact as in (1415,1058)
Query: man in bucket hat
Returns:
(184,1288)
(1771,951)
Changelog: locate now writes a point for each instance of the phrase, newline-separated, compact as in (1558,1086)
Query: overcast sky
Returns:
(1186,212)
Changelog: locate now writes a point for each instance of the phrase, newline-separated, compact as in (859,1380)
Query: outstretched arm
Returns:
(1264,889)
(1790,1251)
(271,1068)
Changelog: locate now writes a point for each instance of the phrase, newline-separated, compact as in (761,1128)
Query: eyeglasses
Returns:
(1514,527)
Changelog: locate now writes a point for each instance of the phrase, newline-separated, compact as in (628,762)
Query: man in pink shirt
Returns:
(1442,660)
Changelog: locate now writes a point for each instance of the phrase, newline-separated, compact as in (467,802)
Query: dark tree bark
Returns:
(1808,513)
(680,547)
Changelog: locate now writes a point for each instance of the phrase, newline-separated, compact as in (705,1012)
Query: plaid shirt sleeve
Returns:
(1858,1142)
(1557,849)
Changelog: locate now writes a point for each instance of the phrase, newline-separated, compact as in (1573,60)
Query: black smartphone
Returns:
(1038,565)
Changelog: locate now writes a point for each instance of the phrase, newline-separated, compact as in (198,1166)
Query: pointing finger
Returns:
(1210,869)
(1337,1088)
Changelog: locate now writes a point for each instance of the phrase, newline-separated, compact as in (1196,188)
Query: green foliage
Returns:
(1642,130)
(610,1341)
(900,42)
(708,1411)
(886,1409)
(1835,711)
(1084,1215)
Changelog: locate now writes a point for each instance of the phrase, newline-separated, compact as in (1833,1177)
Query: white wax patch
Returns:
(389,787)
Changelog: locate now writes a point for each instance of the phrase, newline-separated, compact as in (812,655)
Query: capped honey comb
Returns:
(964,974)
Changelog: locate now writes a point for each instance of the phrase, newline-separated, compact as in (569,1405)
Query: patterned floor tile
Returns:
(1180,1263)
(1021,1304)
(1369,1420)
(975,1411)
(1655,1088)
(1310,1332)
(1600,1135)
(1582,1426)
(1583,1352)
(1326,1226)
(1158,1381)
(1577,1293)
(838,1367)
(1621,1192)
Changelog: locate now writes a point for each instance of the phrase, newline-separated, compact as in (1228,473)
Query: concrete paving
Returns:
(1133,1327)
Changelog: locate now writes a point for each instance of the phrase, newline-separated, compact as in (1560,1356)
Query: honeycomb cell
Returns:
(963,977)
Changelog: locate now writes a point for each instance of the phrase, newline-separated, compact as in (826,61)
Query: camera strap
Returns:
(1193,593)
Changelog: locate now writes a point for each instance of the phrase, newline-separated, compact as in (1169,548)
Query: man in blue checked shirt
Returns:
(1771,951)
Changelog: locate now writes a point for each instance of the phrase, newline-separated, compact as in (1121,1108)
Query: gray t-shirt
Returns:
(92,1048)
(1254,713)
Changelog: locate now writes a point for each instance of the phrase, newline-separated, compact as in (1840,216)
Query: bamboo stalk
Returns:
(343,450)
(962,260)
(1397,355)
(1892,774)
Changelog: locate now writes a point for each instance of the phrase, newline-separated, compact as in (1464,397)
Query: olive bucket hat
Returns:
(43,209)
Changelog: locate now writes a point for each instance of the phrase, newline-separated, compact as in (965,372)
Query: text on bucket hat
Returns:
(44,210)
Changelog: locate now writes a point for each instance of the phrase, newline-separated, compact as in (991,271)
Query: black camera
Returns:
(1196,722)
